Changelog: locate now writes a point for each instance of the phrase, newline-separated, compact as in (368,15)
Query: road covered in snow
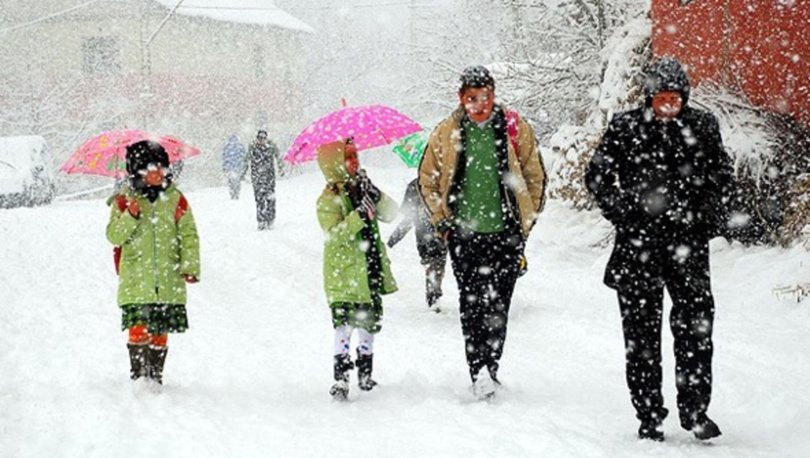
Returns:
(251,376)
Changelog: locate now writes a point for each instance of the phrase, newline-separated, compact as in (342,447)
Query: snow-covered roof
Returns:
(257,12)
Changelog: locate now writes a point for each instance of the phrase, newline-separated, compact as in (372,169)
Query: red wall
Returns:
(761,47)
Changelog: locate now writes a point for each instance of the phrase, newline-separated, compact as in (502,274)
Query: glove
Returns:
(367,188)
(134,208)
(444,228)
(366,208)
(190,278)
(523,265)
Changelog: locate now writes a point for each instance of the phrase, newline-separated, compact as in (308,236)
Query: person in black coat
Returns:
(432,249)
(264,160)
(662,177)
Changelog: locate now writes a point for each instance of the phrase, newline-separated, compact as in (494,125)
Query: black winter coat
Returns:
(661,185)
(415,214)
(262,161)
(673,178)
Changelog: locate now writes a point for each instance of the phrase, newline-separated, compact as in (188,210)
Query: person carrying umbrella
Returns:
(432,249)
(233,154)
(263,158)
(483,182)
(152,223)
(356,267)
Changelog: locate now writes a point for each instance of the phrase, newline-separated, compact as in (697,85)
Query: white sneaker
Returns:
(484,387)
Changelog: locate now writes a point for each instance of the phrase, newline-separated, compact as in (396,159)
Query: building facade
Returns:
(199,73)
(761,48)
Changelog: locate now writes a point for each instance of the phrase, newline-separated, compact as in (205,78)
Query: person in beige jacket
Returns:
(483,181)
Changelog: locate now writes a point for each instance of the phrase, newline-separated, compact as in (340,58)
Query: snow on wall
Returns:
(256,12)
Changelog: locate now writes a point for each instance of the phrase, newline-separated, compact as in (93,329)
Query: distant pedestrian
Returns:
(663,178)
(233,153)
(432,249)
(264,161)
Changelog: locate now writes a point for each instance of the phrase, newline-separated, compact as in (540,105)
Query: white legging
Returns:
(343,340)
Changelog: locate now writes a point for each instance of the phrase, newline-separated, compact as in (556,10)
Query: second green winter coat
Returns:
(345,271)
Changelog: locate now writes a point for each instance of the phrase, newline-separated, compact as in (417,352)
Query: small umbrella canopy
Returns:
(105,154)
(370,126)
(411,148)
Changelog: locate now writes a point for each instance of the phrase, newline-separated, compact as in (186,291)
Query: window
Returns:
(101,56)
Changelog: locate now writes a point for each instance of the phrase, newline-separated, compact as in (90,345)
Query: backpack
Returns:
(512,123)
(121,203)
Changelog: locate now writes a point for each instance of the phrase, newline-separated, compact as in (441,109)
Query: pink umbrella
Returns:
(370,126)
(105,154)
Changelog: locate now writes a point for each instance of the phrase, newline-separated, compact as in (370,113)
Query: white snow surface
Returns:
(251,376)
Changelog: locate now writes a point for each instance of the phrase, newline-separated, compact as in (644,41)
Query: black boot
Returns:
(364,367)
(340,390)
(651,429)
(157,358)
(701,426)
(651,425)
(137,361)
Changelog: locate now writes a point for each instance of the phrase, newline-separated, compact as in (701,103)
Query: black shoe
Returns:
(364,366)
(433,297)
(651,430)
(701,426)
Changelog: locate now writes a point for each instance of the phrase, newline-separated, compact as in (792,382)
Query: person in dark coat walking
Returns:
(662,177)
(233,153)
(263,159)
(432,249)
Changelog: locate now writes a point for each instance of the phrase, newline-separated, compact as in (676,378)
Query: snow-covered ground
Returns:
(250,378)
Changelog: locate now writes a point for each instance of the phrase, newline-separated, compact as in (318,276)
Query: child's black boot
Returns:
(137,361)
(340,390)
(157,358)
(364,367)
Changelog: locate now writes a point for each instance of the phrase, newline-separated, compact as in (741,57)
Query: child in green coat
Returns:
(157,253)
(356,268)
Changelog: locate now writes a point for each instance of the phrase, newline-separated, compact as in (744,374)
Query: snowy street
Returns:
(251,376)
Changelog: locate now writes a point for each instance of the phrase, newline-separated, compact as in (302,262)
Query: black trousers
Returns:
(265,195)
(486,269)
(687,280)
(434,275)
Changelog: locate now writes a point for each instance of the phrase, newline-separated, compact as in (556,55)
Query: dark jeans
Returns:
(265,195)
(486,269)
(691,321)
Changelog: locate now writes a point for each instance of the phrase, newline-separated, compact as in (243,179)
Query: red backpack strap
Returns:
(512,123)
(181,209)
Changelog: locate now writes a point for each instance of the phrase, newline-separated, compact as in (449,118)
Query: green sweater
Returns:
(479,206)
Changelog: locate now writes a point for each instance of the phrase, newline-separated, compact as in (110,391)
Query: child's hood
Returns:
(332,161)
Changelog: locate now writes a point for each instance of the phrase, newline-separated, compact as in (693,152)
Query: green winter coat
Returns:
(156,250)
(345,270)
